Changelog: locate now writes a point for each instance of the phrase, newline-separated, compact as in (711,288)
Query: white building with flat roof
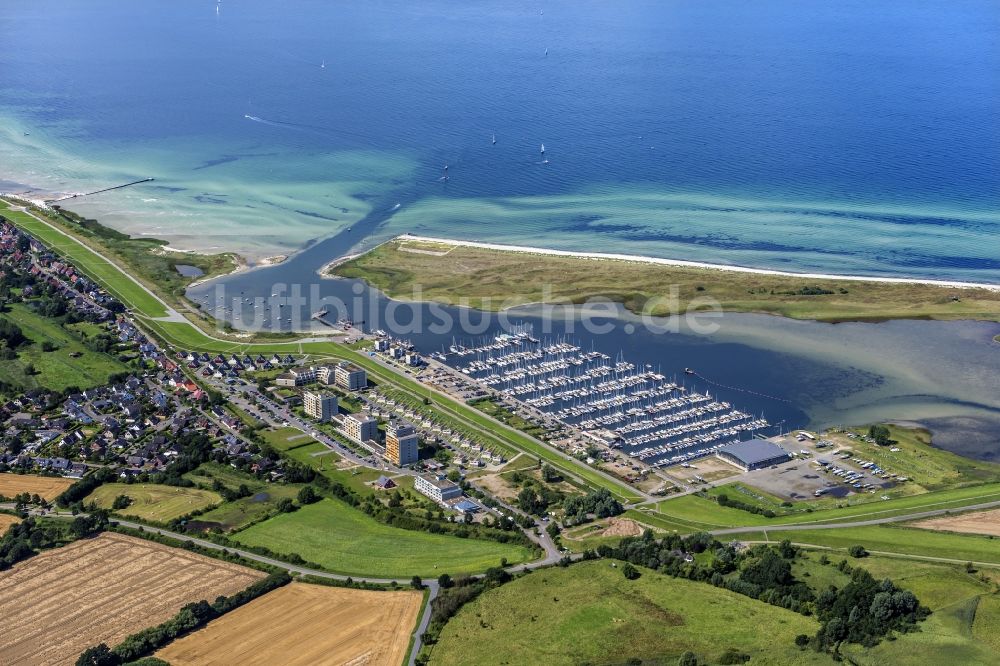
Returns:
(438,489)
(320,406)
(350,377)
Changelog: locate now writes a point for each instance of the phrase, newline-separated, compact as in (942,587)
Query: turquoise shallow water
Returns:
(838,137)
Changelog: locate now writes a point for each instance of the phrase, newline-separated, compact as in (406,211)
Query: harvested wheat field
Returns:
(302,624)
(100,590)
(6,520)
(46,486)
(979,522)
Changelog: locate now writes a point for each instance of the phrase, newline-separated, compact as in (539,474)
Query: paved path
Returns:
(551,557)
(172,314)
(857,523)
(886,553)
(552,554)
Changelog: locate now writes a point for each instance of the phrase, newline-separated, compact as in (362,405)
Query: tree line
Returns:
(864,611)
(192,616)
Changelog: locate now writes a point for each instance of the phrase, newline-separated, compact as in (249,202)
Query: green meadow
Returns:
(345,540)
(153,502)
(590,613)
(69,363)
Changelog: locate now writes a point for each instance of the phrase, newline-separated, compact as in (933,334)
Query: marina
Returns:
(613,402)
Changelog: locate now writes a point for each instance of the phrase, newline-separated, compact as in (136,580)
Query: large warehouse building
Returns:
(753,454)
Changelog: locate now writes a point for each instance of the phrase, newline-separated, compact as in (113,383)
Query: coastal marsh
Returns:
(491,279)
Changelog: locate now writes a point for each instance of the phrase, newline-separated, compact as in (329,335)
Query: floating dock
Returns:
(650,417)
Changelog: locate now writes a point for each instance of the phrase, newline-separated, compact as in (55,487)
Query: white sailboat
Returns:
(494,139)
(323,65)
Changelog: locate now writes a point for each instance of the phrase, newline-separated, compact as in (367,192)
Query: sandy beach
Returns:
(688,264)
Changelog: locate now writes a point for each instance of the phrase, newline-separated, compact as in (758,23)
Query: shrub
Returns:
(688,659)
(734,656)
(630,572)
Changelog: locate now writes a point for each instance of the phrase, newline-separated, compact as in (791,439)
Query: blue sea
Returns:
(848,137)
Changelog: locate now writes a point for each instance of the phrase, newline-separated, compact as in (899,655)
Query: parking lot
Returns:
(819,470)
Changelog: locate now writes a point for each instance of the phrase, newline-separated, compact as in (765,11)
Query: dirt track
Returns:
(301,625)
(100,590)
(979,522)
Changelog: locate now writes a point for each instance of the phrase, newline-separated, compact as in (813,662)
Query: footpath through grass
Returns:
(893,539)
(88,261)
(346,540)
(692,513)
(186,335)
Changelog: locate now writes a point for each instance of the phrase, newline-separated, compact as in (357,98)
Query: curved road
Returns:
(172,314)
(552,556)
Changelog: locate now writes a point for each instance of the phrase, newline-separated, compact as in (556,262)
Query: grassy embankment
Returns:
(939,480)
(187,335)
(494,279)
(146,256)
(153,502)
(893,539)
(145,259)
(68,362)
(691,513)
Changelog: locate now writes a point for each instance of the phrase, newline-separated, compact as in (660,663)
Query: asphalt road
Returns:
(551,557)
(552,554)
(856,523)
